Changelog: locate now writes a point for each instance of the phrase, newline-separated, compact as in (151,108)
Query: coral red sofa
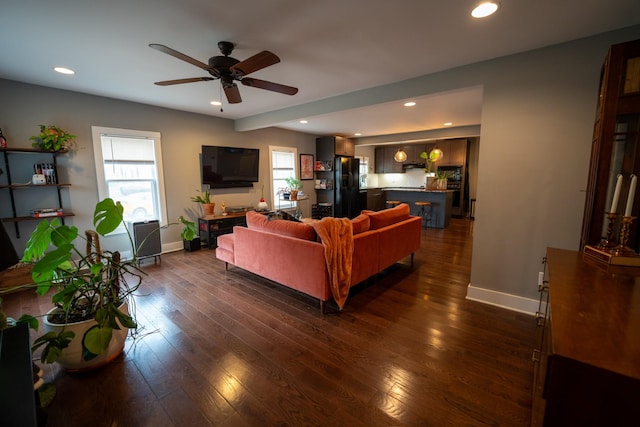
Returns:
(290,254)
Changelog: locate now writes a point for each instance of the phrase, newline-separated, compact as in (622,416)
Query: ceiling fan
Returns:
(228,70)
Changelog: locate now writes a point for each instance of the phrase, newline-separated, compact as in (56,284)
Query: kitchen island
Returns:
(439,213)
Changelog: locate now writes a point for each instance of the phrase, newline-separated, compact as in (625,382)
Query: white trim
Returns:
(97,131)
(294,151)
(503,300)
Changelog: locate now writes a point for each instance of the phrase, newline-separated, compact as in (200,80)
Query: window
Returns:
(129,170)
(283,165)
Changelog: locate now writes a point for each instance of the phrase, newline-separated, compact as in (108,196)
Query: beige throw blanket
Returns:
(337,238)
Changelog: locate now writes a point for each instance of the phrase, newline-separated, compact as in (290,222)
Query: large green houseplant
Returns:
(93,285)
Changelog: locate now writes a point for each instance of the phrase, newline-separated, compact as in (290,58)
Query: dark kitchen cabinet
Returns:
(336,146)
(385,162)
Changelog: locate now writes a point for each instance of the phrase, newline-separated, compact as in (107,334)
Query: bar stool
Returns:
(423,211)
(392,203)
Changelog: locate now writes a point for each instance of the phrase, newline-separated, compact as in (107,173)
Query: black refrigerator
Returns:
(347,200)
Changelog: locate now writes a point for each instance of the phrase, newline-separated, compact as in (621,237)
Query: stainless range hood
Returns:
(413,167)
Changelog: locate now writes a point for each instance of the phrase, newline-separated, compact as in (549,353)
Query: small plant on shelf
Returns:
(52,138)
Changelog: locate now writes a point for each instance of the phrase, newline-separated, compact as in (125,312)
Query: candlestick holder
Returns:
(622,249)
(613,254)
(608,243)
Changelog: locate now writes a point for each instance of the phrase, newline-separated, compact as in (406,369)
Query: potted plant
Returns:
(295,185)
(441,179)
(91,317)
(52,138)
(204,198)
(430,159)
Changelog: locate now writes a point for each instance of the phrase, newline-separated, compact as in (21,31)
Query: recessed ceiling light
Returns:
(409,104)
(64,70)
(485,9)
(216,103)
(304,122)
(447,123)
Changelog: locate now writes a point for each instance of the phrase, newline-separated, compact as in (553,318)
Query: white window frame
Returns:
(97,132)
(276,203)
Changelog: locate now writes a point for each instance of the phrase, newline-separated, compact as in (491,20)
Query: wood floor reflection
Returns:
(236,350)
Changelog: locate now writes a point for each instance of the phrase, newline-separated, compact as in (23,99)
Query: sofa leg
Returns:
(226,266)
(321,307)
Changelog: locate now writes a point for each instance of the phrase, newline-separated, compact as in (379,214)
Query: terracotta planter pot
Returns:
(208,208)
(71,357)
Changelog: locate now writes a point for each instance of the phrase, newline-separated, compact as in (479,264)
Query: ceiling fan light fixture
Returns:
(304,122)
(400,156)
(410,104)
(485,9)
(216,103)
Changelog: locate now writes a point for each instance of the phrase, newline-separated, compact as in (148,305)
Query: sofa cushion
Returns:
(387,217)
(298,230)
(360,224)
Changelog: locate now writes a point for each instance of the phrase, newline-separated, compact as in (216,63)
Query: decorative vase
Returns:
(441,184)
(71,357)
(430,183)
(263,206)
(208,208)
(294,194)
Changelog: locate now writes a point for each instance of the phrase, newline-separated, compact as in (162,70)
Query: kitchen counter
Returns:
(439,213)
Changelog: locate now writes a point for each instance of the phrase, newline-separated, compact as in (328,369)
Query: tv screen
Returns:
(225,167)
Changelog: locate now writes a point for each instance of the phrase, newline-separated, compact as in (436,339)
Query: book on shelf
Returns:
(46,212)
(323,165)
(48,170)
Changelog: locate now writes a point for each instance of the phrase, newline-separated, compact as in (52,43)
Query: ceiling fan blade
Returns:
(180,81)
(179,55)
(232,93)
(275,87)
(254,63)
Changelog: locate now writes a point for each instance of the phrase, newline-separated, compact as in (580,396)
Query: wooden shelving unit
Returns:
(10,186)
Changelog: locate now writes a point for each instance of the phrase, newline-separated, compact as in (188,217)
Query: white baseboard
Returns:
(172,247)
(501,299)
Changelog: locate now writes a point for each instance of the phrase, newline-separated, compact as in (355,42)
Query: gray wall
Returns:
(537,123)
(25,106)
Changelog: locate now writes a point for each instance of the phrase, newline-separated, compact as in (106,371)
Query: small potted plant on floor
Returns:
(90,290)
(204,198)
(295,185)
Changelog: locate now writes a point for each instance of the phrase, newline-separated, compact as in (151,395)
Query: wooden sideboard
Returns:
(588,367)
(212,226)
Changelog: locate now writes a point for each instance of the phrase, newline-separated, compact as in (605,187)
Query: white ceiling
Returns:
(329,48)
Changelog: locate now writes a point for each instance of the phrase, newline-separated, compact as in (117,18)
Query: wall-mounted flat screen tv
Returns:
(227,167)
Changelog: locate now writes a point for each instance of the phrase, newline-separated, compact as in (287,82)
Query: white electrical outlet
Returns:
(540,278)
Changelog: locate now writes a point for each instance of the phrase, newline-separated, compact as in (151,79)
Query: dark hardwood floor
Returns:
(232,349)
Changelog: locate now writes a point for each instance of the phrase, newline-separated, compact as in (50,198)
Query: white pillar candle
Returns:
(632,194)
(616,194)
